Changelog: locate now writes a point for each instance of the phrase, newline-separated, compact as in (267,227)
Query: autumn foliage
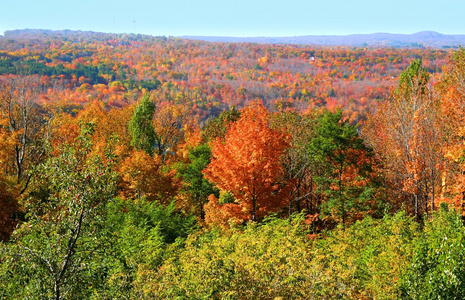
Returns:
(247,163)
(124,174)
(144,175)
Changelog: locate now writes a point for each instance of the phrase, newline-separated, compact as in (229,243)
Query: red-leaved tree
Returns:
(247,164)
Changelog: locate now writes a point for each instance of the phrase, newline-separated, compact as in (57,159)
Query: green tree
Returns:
(344,164)
(140,125)
(194,183)
(414,77)
(49,255)
(138,234)
(438,267)
(217,127)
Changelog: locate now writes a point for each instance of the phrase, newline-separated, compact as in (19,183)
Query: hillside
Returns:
(142,167)
(208,77)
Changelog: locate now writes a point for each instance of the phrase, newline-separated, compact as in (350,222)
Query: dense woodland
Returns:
(152,167)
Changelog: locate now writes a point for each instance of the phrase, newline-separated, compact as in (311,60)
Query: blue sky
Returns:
(236,17)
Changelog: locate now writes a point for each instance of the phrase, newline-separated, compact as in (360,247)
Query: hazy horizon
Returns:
(230,36)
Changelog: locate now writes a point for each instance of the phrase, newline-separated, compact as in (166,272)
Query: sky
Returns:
(240,18)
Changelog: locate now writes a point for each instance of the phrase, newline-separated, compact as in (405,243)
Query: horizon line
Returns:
(233,36)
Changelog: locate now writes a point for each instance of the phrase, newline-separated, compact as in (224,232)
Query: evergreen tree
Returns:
(140,126)
(344,165)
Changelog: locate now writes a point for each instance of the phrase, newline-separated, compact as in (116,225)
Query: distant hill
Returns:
(419,39)
(67,34)
(415,40)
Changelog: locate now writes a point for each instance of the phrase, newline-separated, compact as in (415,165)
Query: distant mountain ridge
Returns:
(415,40)
(419,39)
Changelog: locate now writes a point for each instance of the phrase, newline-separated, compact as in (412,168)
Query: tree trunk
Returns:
(254,203)
(57,289)
(340,196)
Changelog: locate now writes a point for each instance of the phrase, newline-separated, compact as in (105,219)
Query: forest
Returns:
(142,167)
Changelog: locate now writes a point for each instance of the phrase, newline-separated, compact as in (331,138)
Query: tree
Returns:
(8,200)
(111,127)
(8,141)
(247,163)
(139,233)
(344,166)
(169,124)
(437,270)
(50,252)
(407,135)
(217,127)
(144,175)
(194,184)
(298,163)
(252,263)
(451,90)
(140,126)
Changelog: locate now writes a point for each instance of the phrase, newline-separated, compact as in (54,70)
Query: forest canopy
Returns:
(153,167)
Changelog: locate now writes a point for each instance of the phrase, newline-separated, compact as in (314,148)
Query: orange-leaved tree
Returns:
(144,175)
(247,164)
(452,91)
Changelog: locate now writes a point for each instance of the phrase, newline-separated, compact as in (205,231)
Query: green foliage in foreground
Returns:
(392,258)
(438,267)
(139,233)
(365,260)
(142,250)
(48,255)
(107,261)
(276,259)
(262,261)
